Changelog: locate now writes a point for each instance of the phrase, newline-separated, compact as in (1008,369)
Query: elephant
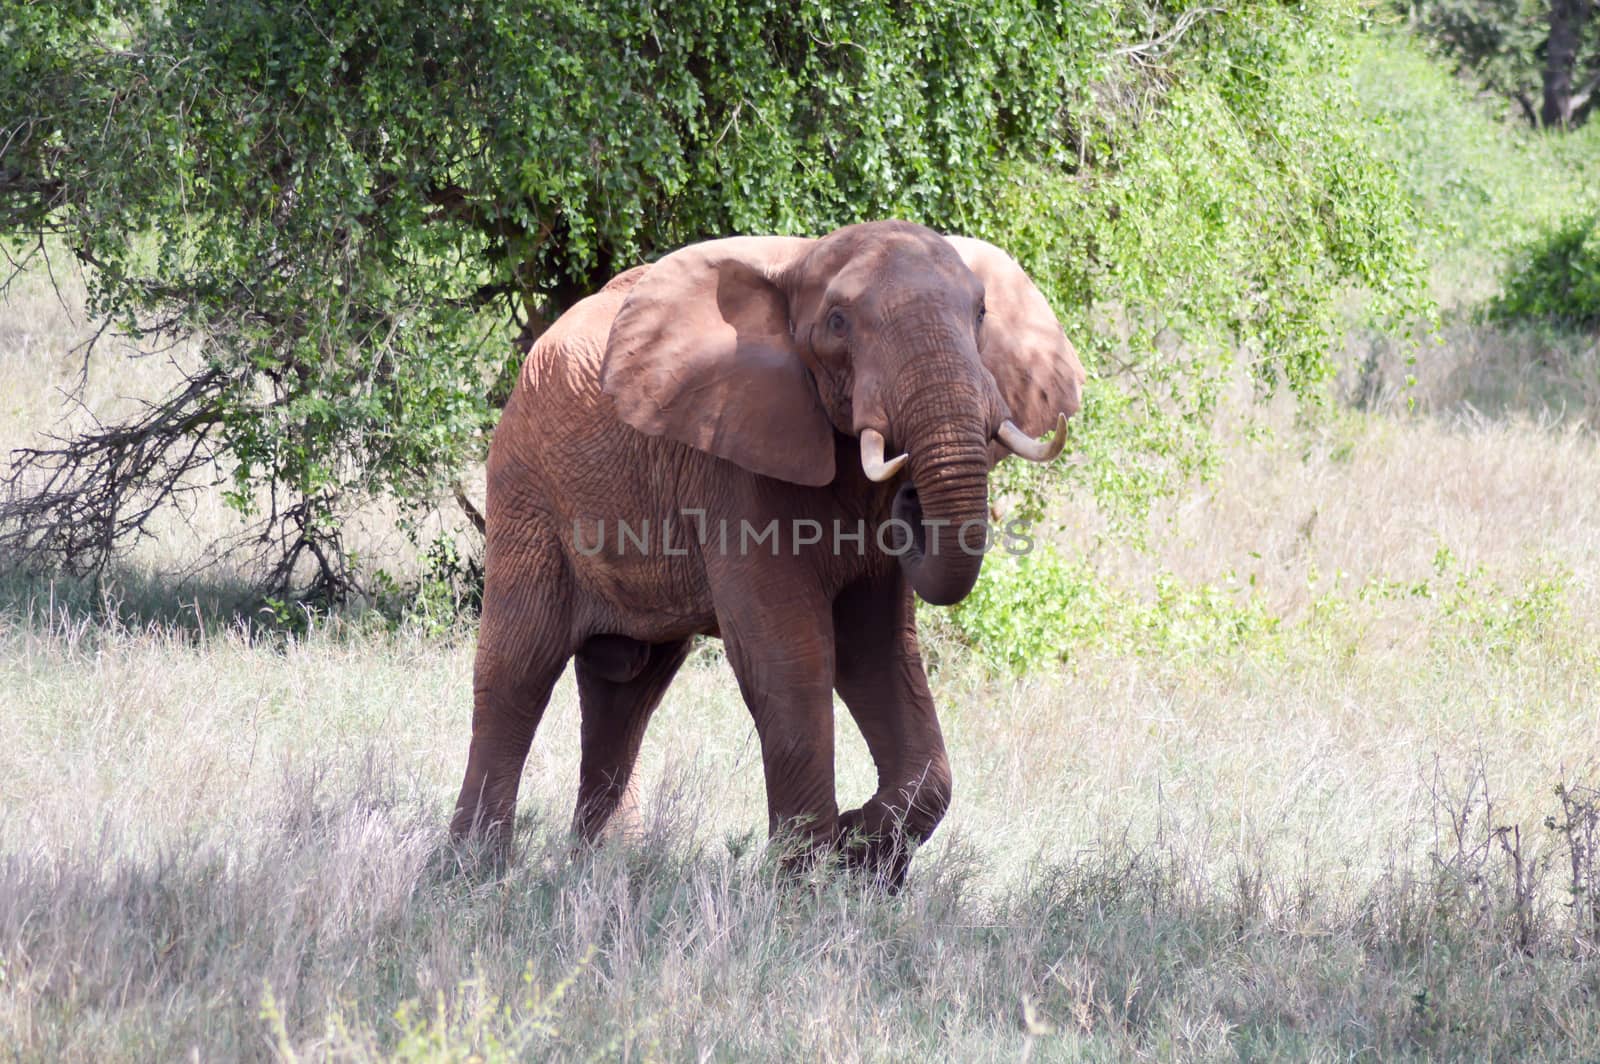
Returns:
(753,387)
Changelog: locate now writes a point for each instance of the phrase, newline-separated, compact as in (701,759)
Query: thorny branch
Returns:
(75,503)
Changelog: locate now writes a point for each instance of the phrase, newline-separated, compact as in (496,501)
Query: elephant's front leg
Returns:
(881,679)
(780,644)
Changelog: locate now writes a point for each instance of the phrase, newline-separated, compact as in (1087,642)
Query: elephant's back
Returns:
(559,441)
(564,363)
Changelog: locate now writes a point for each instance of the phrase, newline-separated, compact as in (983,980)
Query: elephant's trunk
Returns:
(945,504)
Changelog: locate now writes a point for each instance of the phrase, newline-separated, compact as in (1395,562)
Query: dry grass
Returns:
(1275,845)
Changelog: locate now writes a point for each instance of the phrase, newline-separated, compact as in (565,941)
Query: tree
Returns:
(1525,50)
(1565,104)
(359,212)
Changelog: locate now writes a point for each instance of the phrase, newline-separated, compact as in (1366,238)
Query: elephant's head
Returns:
(759,349)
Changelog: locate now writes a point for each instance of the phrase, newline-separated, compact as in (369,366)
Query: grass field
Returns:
(1314,778)
(1267,811)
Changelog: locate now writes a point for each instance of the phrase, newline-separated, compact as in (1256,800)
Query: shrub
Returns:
(1031,611)
(1554,279)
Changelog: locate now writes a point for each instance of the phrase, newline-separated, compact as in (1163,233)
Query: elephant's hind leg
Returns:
(509,699)
(524,642)
(620,683)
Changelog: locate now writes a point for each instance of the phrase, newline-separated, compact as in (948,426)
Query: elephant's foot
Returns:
(485,819)
(481,844)
(873,841)
(609,814)
(879,838)
(802,846)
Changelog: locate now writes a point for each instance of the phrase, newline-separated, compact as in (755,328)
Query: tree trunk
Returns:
(1561,54)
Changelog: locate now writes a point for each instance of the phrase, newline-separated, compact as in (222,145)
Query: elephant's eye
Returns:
(982,312)
(837,325)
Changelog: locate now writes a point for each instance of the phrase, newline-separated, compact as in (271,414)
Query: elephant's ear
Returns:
(701,352)
(1021,343)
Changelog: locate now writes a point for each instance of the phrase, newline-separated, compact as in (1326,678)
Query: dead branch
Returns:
(76,503)
(469,508)
(1146,50)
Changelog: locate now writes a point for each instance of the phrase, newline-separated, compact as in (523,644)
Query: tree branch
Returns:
(469,508)
(1153,47)
(74,505)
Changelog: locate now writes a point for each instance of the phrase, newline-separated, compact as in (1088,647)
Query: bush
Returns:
(1035,610)
(1032,610)
(1555,278)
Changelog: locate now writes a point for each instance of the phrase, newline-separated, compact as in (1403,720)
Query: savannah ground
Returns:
(1291,789)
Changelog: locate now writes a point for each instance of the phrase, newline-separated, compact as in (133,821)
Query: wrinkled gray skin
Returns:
(737,378)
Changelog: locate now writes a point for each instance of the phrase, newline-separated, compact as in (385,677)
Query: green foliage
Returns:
(1224,228)
(1473,606)
(1031,612)
(356,206)
(1555,278)
(449,586)
(1034,610)
(1491,197)
(1479,189)
(286,617)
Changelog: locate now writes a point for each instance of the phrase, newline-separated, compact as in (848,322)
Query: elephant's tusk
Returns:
(872,462)
(1018,443)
